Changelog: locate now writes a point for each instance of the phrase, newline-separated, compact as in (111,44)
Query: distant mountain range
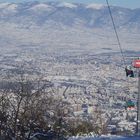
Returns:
(90,15)
(67,25)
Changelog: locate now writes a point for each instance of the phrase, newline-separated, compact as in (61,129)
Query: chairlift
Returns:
(128,69)
(129,72)
(136,63)
(130,104)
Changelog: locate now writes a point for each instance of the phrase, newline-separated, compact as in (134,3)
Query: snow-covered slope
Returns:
(90,15)
(67,5)
(67,25)
(95,6)
(106,138)
(40,6)
(4,5)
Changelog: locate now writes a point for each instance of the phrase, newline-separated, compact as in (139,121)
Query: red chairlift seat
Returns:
(136,63)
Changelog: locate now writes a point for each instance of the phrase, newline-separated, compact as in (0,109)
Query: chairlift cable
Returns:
(118,39)
(116,33)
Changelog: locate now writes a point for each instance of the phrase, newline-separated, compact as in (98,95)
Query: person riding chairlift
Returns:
(129,72)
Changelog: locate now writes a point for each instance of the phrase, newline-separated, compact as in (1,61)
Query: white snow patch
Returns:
(66,4)
(12,7)
(40,6)
(104,137)
(95,6)
(8,8)
(4,5)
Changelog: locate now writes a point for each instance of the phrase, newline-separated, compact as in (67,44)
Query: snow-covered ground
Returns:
(105,138)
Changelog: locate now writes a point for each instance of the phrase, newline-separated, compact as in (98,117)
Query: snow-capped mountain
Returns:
(90,15)
(95,6)
(67,5)
(67,25)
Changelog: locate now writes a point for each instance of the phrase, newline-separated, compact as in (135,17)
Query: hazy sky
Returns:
(122,3)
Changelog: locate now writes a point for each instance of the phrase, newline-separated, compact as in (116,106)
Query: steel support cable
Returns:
(118,40)
(117,36)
